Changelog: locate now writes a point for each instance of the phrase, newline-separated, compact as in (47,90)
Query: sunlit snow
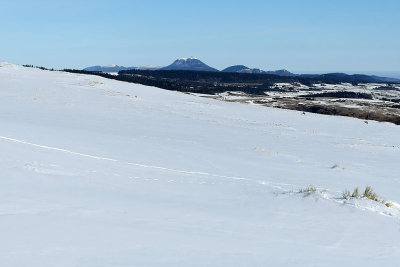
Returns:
(96,172)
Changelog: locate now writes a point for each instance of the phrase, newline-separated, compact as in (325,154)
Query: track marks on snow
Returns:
(123,162)
(280,187)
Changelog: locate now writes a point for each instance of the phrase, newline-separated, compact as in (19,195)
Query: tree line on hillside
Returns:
(341,94)
(195,82)
(37,67)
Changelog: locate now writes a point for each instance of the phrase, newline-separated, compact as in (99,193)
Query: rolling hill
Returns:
(99,172)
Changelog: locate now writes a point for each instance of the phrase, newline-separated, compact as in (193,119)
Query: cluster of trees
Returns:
(219,77)
(37,67)
(211,76)
(341,94)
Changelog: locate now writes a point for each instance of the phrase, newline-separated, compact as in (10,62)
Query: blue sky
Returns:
(304,35)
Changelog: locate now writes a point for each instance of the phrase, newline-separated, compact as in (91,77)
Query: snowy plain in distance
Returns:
(97,172)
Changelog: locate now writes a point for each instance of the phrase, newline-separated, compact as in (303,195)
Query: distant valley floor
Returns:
(365,101)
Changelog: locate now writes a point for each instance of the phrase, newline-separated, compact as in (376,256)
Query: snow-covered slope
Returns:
(96,172)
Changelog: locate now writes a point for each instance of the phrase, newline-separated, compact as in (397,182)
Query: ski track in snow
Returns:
(282,187)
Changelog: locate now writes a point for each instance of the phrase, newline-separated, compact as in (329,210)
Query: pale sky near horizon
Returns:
(307,36)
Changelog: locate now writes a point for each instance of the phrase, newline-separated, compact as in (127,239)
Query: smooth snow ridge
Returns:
(7,64)
(96,172)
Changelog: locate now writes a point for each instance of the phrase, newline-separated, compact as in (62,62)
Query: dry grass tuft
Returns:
(370,194)
(308,190)
(356,193)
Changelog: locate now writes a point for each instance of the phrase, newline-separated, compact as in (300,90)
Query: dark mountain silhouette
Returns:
(236,68)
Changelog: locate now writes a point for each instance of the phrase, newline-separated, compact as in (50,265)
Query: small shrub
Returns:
(308,189)
(346,194)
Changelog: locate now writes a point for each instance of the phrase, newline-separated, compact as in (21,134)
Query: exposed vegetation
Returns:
(38,67)
(308,190)
(370,194)
(346,194)
(356,193)
(367,194)
(388,204)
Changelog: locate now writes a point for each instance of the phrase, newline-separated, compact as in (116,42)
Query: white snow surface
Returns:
(187,58)
(96,172)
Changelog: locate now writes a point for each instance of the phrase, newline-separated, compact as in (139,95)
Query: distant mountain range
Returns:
(244,69)
(110,68)
(194,64)
(116,68)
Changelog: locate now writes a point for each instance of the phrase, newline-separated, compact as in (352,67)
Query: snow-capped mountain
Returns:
(110,68)
(189,64)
